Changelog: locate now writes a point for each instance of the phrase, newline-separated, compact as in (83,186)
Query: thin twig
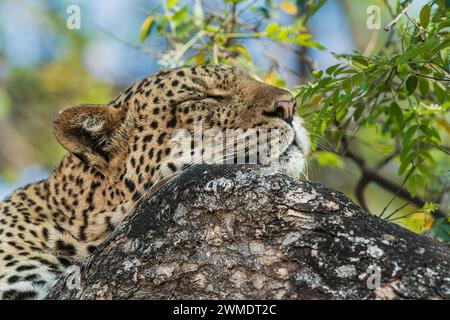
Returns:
(430,77)
(399,188)
(388,218)
(391,24)
(384,183)
(133,46)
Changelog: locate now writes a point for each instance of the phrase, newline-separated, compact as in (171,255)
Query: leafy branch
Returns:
(397,97)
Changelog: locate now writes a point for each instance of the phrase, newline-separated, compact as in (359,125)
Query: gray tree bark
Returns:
(234,232)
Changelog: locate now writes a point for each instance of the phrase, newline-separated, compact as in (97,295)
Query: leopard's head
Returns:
(132,137)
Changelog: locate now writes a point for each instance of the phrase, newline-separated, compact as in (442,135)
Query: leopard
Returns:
(117,152)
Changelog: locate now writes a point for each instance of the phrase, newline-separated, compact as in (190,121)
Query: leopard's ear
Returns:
(91,132)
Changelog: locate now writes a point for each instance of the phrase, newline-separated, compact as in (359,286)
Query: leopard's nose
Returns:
(284,109)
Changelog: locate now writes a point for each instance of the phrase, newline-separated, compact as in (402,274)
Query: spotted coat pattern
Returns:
(116,153)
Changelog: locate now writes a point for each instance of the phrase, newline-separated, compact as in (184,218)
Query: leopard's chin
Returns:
(292,161)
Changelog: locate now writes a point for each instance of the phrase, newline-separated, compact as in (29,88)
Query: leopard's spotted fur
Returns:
(116,152)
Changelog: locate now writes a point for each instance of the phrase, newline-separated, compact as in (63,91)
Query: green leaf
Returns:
(335,97)
(305,40)
(242,50)
(403,69)
(408,135)
(272,29)
(341,114)
(178,17)
(358,79)
(171,3)
(424,86)
(441,4)
(317,73)
(415,50)
(426,155)
(440,93)
(339,70)
(430,132)
(347,85)
(396,113)
(411,84)
(360,60)
(146,27)
(441,229)
(283,34)
(406,162)
(425,16)
(442,25)
(329,159)
(363,86)
(331,69)
(359,109)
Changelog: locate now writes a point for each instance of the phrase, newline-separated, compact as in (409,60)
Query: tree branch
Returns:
(373,176)
(235,232)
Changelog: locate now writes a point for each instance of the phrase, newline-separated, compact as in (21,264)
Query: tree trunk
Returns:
(234,232)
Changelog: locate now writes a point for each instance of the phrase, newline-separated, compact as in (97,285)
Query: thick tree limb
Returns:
(234,232)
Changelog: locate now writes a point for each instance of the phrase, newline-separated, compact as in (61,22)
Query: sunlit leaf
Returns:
(146,27)
(289,8)
(403,69)
(444,124)
(171,3)
(425,16)
(303,38)
(317,73)
(341,113)
(180,15)
(200,58)
(272,29)
(243,51)
(283,34)
(419,222)
(273,78)
(315,101)
(329,159)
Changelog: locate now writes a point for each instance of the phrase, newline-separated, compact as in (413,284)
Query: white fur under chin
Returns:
(292,162)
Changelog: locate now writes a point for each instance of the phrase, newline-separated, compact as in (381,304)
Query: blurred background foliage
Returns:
(371,77)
